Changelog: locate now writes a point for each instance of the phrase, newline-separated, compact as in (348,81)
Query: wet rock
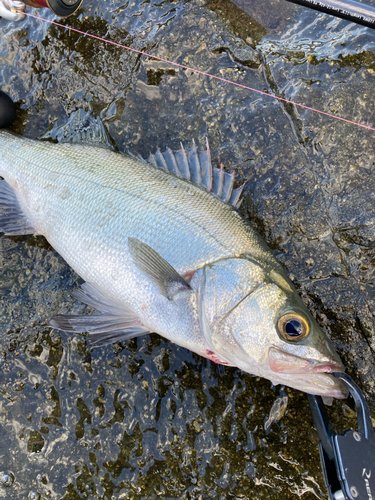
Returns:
(6,479)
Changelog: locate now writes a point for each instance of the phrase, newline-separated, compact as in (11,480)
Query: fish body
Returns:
(159,253)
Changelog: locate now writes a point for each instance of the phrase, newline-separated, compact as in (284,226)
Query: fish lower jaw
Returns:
(334,388)
(318,384)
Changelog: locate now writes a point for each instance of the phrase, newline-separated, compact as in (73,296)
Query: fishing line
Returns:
(204,73)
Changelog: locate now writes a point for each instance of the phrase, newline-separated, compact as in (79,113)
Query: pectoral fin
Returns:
(162,274)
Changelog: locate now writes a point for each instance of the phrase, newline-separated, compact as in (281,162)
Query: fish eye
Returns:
(293,327)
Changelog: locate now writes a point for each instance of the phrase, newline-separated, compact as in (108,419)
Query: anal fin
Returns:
(113,323)
(13,221)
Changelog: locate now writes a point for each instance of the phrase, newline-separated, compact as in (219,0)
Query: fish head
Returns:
(259,323)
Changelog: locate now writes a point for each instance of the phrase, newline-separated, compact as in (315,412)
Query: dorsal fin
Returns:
(196,167)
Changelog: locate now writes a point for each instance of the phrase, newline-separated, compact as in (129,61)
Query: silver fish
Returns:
(161,253)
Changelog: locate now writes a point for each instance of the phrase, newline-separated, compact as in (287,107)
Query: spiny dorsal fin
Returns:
(196,167)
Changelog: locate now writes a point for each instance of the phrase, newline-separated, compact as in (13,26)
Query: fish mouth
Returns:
(308,375)
(283,362)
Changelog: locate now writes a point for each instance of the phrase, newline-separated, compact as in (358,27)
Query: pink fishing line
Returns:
(201,72)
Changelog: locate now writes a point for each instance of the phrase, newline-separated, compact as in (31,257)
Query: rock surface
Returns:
(148,419)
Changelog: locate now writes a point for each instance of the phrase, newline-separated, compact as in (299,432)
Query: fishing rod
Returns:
(350,10)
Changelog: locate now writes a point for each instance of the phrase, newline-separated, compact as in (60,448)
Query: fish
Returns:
(162,247)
